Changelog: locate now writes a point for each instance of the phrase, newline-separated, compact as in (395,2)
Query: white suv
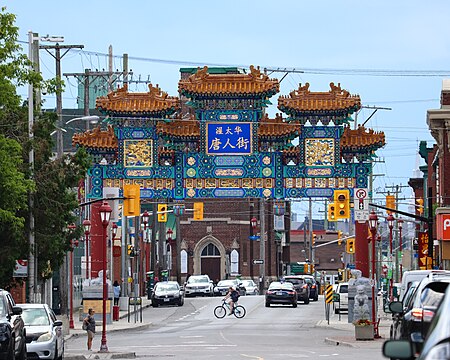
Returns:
(198,285)
(342,290)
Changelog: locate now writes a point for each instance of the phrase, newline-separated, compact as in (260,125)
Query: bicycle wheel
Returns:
(220,311)
(239,311)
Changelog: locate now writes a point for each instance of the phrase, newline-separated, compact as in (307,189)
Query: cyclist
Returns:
(233,295)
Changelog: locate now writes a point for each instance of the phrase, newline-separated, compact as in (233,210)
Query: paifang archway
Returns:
(214,141)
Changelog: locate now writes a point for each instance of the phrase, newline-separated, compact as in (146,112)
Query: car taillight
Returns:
(421,314)
(269,292)
(314,286)
(305,286)
(291,292)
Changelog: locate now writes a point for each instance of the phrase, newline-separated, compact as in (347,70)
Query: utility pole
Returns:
(58,57)
(262,245)
(88,77)
(396,192)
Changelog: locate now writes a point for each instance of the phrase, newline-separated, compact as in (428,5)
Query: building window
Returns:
(210,250)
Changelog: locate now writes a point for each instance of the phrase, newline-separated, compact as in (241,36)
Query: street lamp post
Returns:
(87,231)
(373,222)
(390,220)
(71,324)
(105,214)
(400,227)
(169,240)
(145,217)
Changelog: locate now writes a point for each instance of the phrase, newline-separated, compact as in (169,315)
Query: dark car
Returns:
(222,287)
(281,293)
(301,287)
(416,318)
(167,293)
(12,329)
(437,343)
(313,287)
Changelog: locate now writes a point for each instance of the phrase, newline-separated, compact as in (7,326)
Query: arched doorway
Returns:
(209,258)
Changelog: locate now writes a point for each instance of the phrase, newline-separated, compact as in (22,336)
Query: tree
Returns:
(51,182)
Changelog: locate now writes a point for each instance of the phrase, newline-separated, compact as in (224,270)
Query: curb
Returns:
(130,355)
(338,343)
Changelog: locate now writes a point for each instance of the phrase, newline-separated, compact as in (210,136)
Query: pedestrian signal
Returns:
(342,202)
(390,203)
(132,200)
(162,212)
(350,246)
(339,237)
(331,212)
(198,211)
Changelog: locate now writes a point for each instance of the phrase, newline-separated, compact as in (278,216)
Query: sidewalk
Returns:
(122,325)
(348,331)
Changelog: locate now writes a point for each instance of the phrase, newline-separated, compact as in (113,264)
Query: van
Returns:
(342,290)
(415,275)
(408,278)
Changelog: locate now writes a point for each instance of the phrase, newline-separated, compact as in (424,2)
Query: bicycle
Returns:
(221,310)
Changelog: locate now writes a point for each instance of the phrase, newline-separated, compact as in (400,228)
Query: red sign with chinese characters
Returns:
(423,249)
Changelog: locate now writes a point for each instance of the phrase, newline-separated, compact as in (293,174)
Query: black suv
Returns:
(301,286)
(12,329)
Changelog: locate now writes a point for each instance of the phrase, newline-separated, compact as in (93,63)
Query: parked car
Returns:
(250,287)
(198,285)
(222,287)
(44,332)
(281,293)
(416,318)
(300,285)
(397,317)
(313,287)
(167,293)
(12,329)
(342,305)
(437,343)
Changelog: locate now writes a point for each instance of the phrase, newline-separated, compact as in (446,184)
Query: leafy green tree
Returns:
(52,183)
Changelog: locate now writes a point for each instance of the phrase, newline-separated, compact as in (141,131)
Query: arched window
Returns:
(210,250)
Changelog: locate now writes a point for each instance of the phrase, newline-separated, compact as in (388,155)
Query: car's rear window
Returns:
(343,289)
(294,281)
(432,294)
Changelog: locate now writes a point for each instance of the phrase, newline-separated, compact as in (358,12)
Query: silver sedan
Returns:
(44,332)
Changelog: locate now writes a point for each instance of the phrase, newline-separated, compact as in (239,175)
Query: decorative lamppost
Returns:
(105,214)
(114,231)
(145,218)
(253,223)
(373,222)
(390,220)
(71,227)
(87,231)
(400,227)
(169,234)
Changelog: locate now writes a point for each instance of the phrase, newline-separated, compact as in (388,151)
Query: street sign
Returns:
(361,204)
(254,237)
(258,262)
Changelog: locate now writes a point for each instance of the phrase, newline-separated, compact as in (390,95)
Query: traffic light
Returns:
(331,212)
(132,200)
(162,212)
(130,250)
(390,203)
(342,202)
(350,246)
(419,205)
(314,237)
(198,211)
(339,237)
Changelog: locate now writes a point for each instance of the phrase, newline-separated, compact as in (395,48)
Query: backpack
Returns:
(235,295)
(85,325)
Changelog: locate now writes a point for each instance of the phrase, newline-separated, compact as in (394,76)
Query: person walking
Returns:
(116,288)
(89,326)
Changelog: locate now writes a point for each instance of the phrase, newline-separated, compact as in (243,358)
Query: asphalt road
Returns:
(192,332)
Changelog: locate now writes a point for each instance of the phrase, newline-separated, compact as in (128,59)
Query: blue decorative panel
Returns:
(229,193)
(226,138)
(229,160)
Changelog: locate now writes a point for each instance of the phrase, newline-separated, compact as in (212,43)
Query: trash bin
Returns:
(116,313)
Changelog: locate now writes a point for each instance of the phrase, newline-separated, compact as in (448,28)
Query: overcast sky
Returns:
(393,54)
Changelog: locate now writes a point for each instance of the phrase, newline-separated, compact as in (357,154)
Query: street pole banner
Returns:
(423,250)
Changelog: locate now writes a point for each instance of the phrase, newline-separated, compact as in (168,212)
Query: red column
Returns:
(362,248)
(96,240)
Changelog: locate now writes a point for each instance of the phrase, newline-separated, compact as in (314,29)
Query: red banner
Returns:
(117,251)
(423,250)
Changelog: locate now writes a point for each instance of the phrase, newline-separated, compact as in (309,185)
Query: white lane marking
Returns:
(174,345)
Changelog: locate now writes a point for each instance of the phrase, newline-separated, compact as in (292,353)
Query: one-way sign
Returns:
(258,262)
